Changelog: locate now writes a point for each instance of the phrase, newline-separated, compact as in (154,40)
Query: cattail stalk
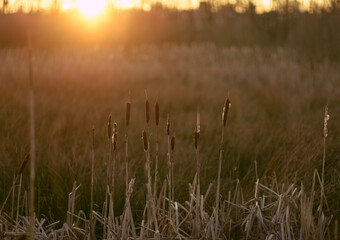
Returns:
(198,189)
(92,230)
(172,148)
(114,148)
(224,122)
(169,167)
(108,175)
(147,109)
(150,202)
(325,134)
(156,154)
(127,121)
(32,145)
(18,203)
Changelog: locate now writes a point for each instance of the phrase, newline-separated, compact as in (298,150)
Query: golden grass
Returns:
(276,119)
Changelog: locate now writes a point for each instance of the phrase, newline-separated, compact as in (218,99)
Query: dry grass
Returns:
(276,118)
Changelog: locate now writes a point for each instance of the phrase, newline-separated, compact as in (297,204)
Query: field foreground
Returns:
(272,152)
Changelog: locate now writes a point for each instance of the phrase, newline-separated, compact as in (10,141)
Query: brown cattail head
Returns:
(109,128)
(168,126)
(145,141)
(198,123)
(196,138)
(115,136)
(157,113)
(127,113)
(130,189)
(24,163)
(226,107)
(325,120)
(173,142)
(147,111)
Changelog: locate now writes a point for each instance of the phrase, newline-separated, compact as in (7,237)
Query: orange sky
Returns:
(90,6)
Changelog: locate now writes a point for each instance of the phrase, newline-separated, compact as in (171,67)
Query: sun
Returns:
(91,8)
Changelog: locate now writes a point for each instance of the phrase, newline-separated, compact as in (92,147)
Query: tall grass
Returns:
(284,133)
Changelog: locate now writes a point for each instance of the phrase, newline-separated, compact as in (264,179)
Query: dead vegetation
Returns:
(266,207)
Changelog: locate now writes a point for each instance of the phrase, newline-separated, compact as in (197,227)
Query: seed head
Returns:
(130,189)
(127,113)
(226,107)
(109,128)
(325,120)
(24,163)
(196,138)
(115,136)
(172,142)
(198,123)
(168,126)
(145,141)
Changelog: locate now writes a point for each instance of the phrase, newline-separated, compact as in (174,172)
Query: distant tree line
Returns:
(315,34)
(239,5)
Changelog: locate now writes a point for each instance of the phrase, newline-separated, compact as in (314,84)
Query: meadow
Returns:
(272,150)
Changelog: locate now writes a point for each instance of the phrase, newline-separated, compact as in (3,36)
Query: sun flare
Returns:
(91,8)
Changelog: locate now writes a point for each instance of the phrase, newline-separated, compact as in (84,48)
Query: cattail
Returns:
(127,114)
(196,138)
(130,189)
(115,136)
(147,110)
(325,120)
(23,164)
(198,123)
(226,107)
(157,113)
(109,127)
(172,142)
(145,140)
(168,126)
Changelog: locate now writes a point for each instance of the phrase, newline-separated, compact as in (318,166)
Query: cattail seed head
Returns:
(109,127)
(115,136)
(145,141)
(127,113)
(172,142)
(325,121)
(226,107)
(168,126)
(147,111)
(130,189)
(198,123)
(157,113)
(196,138)
(24,163)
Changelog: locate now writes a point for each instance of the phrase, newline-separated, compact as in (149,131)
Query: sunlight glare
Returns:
(125,4)
(91,8)
(266,4)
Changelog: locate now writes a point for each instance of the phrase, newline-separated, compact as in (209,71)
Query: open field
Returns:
(276,118)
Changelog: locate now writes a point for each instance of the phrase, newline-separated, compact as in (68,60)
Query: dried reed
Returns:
(32,144)
(217,201)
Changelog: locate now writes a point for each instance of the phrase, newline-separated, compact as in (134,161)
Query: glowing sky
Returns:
(93,7)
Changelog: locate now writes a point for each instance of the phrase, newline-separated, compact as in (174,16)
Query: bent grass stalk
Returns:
(19,173)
